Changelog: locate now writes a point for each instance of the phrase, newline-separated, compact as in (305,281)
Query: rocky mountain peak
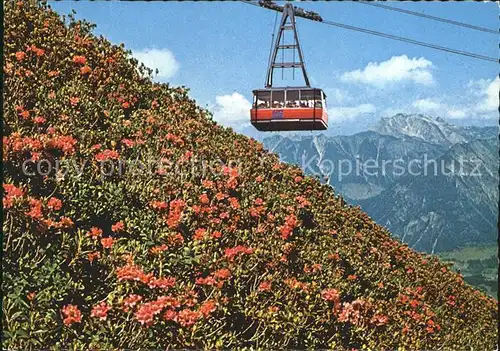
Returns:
(432,129)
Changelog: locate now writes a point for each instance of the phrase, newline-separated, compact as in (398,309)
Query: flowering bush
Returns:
(253,254)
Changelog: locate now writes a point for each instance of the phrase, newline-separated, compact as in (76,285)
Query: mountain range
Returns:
(431,183)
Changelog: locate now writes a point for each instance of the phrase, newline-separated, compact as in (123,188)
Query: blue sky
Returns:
(220,49)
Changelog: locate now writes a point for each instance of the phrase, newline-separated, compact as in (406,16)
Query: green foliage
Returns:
(252,255)
(478,265)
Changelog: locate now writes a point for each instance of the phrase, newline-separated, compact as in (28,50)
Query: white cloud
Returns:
(396,69)
(489,95)
(427,105)
(479,102)
(161,59)
(337,95)
(478,86)
(349,113)
(436,107)
(232,109)
(457,114)
(391,111)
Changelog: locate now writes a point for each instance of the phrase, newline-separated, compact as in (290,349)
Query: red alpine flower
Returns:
(118,227)
(265,286)
(93,255)
(331,295)
(107,243)
(85,70)
(39,120)
(71,315)
(379,320)
(79,59)
(54,204)
(100,311)
(216,235)
(162,283)
(170,315)
(74,101)
(208,307)
(20,55)
(107,155)
(130,301)
(199,234)
(188,317)
(94,232)
(31,296)
(204,199)
(36,209)
(156,250)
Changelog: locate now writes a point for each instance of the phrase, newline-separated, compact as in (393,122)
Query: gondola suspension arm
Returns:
(287,23)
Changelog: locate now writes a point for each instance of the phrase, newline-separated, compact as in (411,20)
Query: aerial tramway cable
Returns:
(435,18)
(395,37)
(411,41)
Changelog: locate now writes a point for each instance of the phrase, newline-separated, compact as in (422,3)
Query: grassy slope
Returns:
(478,265)
(250,255)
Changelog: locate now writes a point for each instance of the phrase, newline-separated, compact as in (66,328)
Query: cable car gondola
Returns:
(288,108)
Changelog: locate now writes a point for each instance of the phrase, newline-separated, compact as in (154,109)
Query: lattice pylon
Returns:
(287,24)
